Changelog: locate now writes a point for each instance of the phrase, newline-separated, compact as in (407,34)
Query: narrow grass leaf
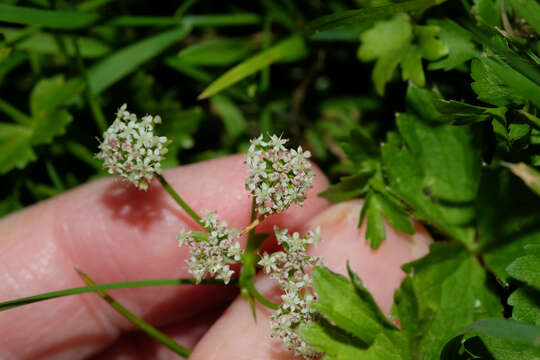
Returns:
(116,66)
(137,321)
(289,49)
(6,305)
(53,19)
(354,17)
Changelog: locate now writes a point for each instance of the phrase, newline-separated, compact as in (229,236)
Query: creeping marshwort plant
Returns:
(278,178)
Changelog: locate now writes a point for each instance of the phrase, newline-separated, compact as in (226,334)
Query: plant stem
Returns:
(254,223)
(143,325)
(249,260)
(179,199)
(117,285)
(97,112)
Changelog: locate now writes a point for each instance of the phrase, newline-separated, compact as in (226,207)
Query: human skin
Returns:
(114,232)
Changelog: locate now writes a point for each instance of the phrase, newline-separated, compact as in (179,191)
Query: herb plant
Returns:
(427,109)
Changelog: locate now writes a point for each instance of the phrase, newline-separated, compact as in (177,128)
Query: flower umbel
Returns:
(213,252)
(130,148)
(289,269)
(278,177)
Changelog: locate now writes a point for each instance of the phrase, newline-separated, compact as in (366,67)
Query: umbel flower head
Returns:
(278,177)
(211,254)
(130,148)
(289,269)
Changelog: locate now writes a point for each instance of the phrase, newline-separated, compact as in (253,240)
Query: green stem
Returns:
(178,199)
(14,113)
(97,112)
(259,297)
(117,285)
(249,261)
(137,321)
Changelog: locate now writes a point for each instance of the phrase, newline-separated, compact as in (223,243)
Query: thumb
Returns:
(237,336)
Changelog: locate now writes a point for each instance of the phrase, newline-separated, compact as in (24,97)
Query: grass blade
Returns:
(355,17)
(289,49)
(137,321)
(6,305)
(116,66)
(209,20)
(52,19)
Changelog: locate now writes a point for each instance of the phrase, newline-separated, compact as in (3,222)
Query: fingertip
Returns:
(379,269)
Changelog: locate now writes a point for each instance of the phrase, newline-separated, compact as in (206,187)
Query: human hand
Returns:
(117,233)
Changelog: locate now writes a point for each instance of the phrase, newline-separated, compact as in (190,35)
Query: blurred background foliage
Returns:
(427,108)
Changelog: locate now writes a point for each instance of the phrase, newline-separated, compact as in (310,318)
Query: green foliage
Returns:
(46,121)
(114,67)
(457,150)
(290,49)
(404,45)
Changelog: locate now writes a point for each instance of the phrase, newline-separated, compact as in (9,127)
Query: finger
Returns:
(237,336)
(136,345)
(115,233)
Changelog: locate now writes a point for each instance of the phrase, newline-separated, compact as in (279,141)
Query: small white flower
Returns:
(278,177)
(212,255)
(289,269)
(130,148)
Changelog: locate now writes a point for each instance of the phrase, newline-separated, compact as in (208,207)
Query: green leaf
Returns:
(508,330)
(365,334)
(451,290)
(349,187)
(489,11)
(113,68)
(375,227)
(525,305)
(53,19)
(529,10)
(217,52)
(490,88)
(46,97)
(330,339)
(232,117)
(356,17)
(206,20)
(437,173)
(517,131)
(50,125)
(460,46)
(338,301)
(399,220)
(290,49)
(366,296)
(515,80)
(15,147)
(506,224)
(413,325)
(46,122)
(404,44)
(398,34)
(461,113)
(50,93)
(526,269)
(45,43)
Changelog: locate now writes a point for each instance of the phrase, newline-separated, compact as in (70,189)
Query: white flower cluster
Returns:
(130,148)
(278,177)
(289,269)
(211,254)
